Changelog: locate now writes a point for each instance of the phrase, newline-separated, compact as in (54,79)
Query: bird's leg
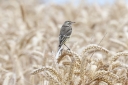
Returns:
(67,46)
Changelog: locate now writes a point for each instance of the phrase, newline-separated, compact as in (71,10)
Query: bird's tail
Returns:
(59,47)
(58,52)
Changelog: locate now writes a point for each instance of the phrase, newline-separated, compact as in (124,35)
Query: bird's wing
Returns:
(66,35)
(65,29)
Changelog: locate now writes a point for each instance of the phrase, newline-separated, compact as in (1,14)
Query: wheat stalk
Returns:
(51,79)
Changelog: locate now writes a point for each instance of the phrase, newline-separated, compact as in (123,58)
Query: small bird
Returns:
(65,33)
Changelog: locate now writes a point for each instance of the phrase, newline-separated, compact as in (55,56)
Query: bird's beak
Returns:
(73,22)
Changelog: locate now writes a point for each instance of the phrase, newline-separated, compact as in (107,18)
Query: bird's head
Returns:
(68,23)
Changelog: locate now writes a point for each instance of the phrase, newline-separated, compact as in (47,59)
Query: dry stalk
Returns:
(66,63)
(123,80)
(26,39)
(50,78)
(23,14)
(71,71)
(32,80)
(106,76)
(117,55)
(68,79)
(10,79)
(84,63)
(119,43)
(70,53)
(94,47)
(50,70)
(114,65)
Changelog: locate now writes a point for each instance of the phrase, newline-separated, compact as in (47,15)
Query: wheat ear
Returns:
(48,69)
(70,53)
(51,79)
(117,55)
(94,47)
(105,76)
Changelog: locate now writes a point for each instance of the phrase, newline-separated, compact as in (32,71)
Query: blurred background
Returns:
(76,2)
(29,31)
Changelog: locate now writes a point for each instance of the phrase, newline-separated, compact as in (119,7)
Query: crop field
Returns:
(29,36)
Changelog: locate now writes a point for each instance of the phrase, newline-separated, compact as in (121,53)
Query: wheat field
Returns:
(29,41)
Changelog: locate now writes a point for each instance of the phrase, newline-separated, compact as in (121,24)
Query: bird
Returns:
(65,32)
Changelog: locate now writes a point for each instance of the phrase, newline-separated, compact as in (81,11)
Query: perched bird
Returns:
(65,33)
